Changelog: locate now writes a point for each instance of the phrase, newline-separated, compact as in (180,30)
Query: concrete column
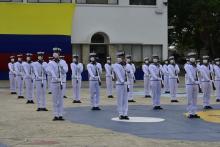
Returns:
(112,52)
(85,53)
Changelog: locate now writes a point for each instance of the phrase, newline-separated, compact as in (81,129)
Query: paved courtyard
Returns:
(22,126)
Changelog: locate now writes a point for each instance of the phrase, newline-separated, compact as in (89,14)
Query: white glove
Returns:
(196,82)
(160,79)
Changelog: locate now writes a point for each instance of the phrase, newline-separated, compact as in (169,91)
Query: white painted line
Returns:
(140,119)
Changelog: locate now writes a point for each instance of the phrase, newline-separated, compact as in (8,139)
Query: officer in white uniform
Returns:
(217,78)
(173,70)
(198,64)
(206,81)
(49,78)
(130,69)
(57,69)
(19,76)
(192,85)
(145,68)
(12,75)
(156,82)
(122,87)
(94,69)
(109,77)
(166,77)
(29,78)
(77,69)
(40,70)
(62,58)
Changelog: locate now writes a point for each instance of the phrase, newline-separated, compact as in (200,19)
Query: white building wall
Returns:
(123,23)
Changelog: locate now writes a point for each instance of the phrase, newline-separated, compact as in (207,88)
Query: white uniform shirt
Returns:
(40,70)
(19,69)
(192,77)
(11,67)
(156,72)
(120,73)
(77,70)
(205,72)
(145,69)
(217,72)
(57,70)
(28,70)
(173,71)
(108,70)
(165,70)
(94,71)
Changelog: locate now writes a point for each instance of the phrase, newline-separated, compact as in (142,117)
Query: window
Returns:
(11,0)
(110,2)
(49,1)
(143,2)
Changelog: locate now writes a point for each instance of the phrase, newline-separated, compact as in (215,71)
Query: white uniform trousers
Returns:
(217,85)
(146,85)
(192,93)
(166,83)
(206,89)
(131,88)
(41,93)
(12,79)
(76,89)
(156,92)
(57,99)
(94,92)
(173,88)
(29,84)
(64,89)
(122,99)
(49,78)
(109,85)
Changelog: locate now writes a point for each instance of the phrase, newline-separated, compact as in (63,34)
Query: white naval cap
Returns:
(191,54)
(120,53)
(155,56)
(171,58)
(217,59)
(92,54)
(75,56)
(128,56)
(12,57)
(108,58)
(28,54)
(146,58)
(19,55)
(40,53)
(205,57)
(57,50)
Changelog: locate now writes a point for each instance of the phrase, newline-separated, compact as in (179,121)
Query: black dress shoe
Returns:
(167,92)
(44,109)
(147,96)
(61,118)
(55,118)
(126,117)
(93,108)
(174,101)
(97,108)
(121,117)
(218,100)
(190,116)
(31,102)
(22,97)
(13,93)
(196,116)
(207,107)
(28,102)
(38,109)
(131,101)
(74,101)
(79,101)
(155,108)
(49,92)
(160,108)
(65,97)
(110,96)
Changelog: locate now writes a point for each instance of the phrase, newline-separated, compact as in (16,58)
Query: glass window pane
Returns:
(127,49)
(157,49)
(137,53)
(147,51)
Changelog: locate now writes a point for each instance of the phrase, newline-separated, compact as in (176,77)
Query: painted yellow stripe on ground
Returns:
(36,19)
(210,115)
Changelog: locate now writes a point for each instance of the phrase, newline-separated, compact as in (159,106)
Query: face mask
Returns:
(217,62)
(108,61)
(19,59)
(74,60)
(155,60)
(146,62)
(171,61)
(12,60)
(92,59)
(205,61)
(192,59)
(166,62)
(119,60)
(55,55)
(28,58)
(128,60)
(40,58)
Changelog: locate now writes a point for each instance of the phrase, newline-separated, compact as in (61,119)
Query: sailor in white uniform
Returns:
(166,77)
(40,70)
(77,69)
(192,85)
(109,77)
(206,71)
(156,82)
(122,87)
(95,70)
(173,70)
(19,76)
(217,78)
(145,68)
(130,69)
(49,78)
(57,68)
(12,75)
(62,58)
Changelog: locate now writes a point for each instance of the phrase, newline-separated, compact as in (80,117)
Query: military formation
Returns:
(51,77)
